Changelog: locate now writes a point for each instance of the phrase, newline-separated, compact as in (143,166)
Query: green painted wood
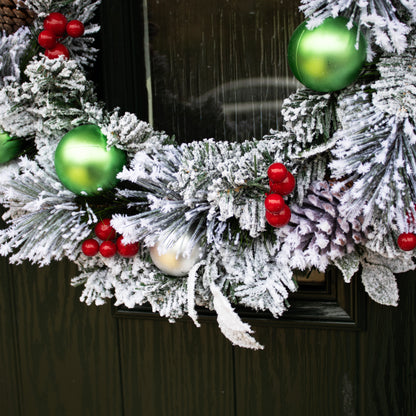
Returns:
(300,372)
(175,369)
(388,355)
(68,351)
(9,363)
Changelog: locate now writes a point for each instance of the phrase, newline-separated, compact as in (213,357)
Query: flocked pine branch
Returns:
(198,186)
(257,280)
(131,134)
(311,117)
(131,282)
(310,121)
(44,222)
(395,90)
(154,171)
(55,99)
(368,147)
(97,285)
(376,151)
(384,21)
(81,49)
(230,177)
(249,276)
(12,48)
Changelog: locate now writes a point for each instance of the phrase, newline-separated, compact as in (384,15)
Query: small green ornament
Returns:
(325,59)
(83,163)
(9,148)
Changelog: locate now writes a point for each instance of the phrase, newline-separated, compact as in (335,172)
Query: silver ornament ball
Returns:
(176,260)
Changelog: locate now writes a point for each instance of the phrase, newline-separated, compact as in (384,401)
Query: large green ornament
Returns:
(83,163)
(325,59)
(9,148)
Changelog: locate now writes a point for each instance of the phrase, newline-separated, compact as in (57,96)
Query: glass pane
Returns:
(219,67)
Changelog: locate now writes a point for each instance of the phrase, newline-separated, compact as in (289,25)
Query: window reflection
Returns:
(219,67)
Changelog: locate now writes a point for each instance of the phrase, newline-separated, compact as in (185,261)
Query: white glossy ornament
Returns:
(176,260)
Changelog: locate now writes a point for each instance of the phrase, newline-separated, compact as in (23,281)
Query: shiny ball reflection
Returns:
(83,163)
(326,58)
(176,260)
(10,148)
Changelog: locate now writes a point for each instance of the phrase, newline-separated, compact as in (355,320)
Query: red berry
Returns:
(57,51)
(127,250)
(47,39)
(104,230)
(407,241)
(56,22)
(90,247)
(75,28)
(279,219)
(274,203)
(285,187)
(108,249)
(277,172)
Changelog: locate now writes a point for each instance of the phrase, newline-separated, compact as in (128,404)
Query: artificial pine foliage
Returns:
(12,49)
(352,153)
(310,121)
(44,222)
(50,103)
(376,150)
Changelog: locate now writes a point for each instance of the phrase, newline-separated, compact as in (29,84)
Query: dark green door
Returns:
(345,355)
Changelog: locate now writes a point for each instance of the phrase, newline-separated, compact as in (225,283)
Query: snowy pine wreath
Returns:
(352,152)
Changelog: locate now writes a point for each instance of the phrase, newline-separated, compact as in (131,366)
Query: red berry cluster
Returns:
(407,241)
(108,248)
(281,183)
(56,27)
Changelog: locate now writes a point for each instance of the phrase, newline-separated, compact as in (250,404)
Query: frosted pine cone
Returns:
(317,234)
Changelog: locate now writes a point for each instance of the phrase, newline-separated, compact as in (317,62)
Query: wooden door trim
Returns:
(336,305)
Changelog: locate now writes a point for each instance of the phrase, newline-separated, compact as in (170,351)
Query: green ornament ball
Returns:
(326,59)
(10,148)
(83,163)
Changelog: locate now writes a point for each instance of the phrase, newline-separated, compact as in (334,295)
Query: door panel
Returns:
(175,369)
(67,351)
(68,357)
(300,372)
(388,355)
(9,363)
